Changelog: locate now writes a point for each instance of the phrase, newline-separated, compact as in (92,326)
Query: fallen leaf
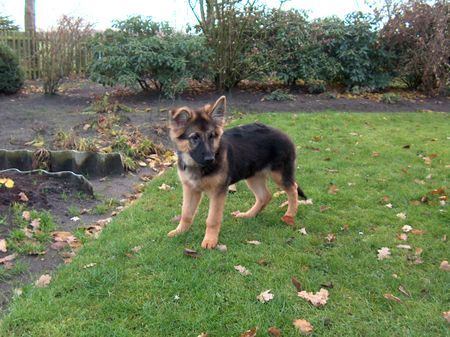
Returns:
(242,270)
(43,281)
(388,205)
(278,193)
(18,292)
(8,258)
(222,248)
(63,236)
(274,332)
(391,297)
(3,248)
(26,215)
(165,187)
(401,215)
(89,265)
(35,224)
(303,326)
(418,250)
(318,299)
(289,240)
(191,253)
(375,154)
(297,284)
(303,231)
(305,202)
(58,245)
(249,333)
(407,228)
(402,236)
(330,237)
(333,189)
(445,266)
(324,208)
(417,231)
(253,242)
(262,262)
(232,188)
(404,291)
(404,246)
(446,315)
(75,219)
(23,197)
(265,296)
(384,253)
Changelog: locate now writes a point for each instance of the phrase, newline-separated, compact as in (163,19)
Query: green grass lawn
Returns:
(373,159)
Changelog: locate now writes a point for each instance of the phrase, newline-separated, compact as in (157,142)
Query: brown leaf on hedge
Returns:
(249,333)
(303,326)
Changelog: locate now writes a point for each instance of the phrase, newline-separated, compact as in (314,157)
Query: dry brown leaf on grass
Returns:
(242,270)
(330,237)
(384,253)
(404,246)
(303,326)
(391,297)
(43,281)
(417,231)
(402,236)
(222,248)
(26,215)
(265,296)
(165,187)
(89,265)
(35,224)
(249,333)
(401,215)
(403,290)
(445,266)
(446,316)
(318,299)
(406,228)
(333,189)
(203,334)
(303,231)
(191,253)
(297,284)
(274,332)
(3,247)
(253,242)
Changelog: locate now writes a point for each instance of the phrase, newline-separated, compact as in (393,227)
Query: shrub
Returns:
(142,52)
(11,76)
(391,98)
(417,34)
(58,52)
(315,86)
(353,45)
(279,95)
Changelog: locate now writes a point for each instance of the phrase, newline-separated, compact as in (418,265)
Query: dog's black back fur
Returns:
(255,147)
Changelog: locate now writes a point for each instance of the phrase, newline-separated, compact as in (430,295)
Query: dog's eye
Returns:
(194,137)
(212,135)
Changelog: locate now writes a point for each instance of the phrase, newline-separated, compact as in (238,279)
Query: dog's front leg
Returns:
(191,200)
(214,220)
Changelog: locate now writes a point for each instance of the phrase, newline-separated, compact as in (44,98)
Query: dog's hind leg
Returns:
(290,187)
(191,200)
(258,186)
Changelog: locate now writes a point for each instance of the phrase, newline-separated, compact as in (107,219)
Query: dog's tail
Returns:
(301,194)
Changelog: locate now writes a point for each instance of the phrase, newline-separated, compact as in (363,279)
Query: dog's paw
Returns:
(209,243)
(173,233)
(239,214)
(288,219)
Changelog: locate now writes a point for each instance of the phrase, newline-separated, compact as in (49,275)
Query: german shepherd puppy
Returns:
(210,159)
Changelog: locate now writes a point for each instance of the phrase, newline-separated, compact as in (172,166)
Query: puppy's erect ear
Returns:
(180,117)
(217,112)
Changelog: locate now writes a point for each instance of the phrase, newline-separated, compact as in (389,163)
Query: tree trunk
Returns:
(30,16)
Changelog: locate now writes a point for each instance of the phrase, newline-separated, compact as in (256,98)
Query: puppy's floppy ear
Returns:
(217,112)
(180,117)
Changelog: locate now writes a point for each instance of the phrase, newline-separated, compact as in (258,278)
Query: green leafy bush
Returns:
(353,45)
(11,76)
(391,98)
(315,86)
(149,54)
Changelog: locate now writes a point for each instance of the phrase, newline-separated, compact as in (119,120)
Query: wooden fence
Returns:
(32,48)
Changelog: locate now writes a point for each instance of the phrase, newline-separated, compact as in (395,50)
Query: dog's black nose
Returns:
(209,160)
